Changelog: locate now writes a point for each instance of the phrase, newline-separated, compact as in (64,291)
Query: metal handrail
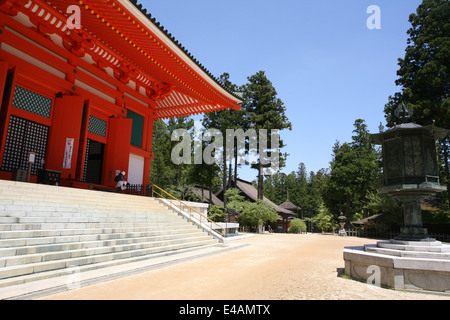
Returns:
(181,203)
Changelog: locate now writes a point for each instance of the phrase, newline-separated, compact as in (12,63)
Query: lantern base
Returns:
(414,234)
(411,196)
(401,265)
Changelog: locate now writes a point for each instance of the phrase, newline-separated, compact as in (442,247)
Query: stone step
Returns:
(44,230)
(407,254)
(52,202)
(23,210)
(91,243)
(24,259)
(36,198)
(31,268)
(110,223)
(11,243)
(33,188)
(88,213)
(416,246)
(52,205)
(84,268)
(48,220)
(17,234)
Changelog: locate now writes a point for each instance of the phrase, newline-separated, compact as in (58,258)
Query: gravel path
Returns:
(268,267)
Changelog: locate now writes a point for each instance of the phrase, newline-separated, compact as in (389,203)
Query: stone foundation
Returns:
(401,265)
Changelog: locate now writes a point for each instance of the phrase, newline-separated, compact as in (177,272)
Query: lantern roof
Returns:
(409,128)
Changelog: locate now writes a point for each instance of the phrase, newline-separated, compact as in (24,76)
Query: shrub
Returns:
(217,213)
(297,226)
(252,214)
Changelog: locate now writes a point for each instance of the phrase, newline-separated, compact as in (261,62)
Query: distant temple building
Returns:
(286,211)
(81,83)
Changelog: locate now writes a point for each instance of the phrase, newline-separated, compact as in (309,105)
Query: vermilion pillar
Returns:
(64,135)
(148,148)
(117,153)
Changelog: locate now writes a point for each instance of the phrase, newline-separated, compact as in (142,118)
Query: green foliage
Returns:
(435,217)
(163,172)
(184,192)
(221,121)
(354,175)
(234,194)
(424,72)
(252,214)
(324,220)
(216,213)
(302,189)
(255,214)
(382,203)
(424,76)
(235,200)
(264,110)
(297,226)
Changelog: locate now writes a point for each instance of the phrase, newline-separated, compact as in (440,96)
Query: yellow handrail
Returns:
(223,230)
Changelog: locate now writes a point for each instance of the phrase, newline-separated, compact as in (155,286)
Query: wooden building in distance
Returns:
(251,194)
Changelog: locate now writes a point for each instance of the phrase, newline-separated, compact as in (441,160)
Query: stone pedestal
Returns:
(411,196)
(401,265)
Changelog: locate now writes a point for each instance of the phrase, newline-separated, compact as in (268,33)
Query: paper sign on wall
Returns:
(67,164)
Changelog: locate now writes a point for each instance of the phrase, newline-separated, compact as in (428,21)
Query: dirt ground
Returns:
(269,267)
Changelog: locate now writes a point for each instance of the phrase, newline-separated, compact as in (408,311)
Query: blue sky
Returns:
(328,68)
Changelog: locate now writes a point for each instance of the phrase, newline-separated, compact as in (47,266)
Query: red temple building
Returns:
(81,83)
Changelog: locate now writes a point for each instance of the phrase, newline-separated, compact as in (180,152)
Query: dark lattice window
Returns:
(23,137)
(93,162)
(97,126)
(86,158)
(32,102)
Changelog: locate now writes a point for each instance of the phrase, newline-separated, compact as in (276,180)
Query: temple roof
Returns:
(178,44)
(251,193)
(204,194)
(122,39)
(289,206)
(368,221)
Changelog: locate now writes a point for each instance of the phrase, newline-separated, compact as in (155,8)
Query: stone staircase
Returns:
(44,230)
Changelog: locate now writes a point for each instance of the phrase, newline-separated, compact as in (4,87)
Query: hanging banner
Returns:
(67,164)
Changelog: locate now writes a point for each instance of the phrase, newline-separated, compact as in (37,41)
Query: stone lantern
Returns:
(411,171)
(342,219)
(412,261)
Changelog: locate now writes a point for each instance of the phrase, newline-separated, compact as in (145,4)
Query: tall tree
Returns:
(354,173)
(317,183)
(367,161)
(163,171)
(264,111)
(206,175)
(223,120)
(424,73)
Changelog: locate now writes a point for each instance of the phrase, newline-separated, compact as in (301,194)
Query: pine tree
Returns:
(264,111)
(223,120)
(354,173)
(424,74)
